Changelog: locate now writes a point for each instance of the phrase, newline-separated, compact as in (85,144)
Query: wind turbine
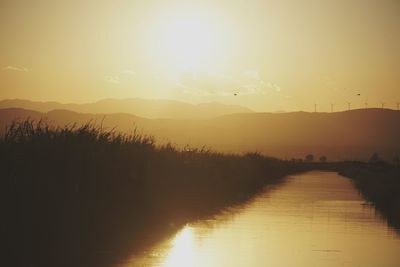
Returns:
(383,105)
(315,107)
(332,107)
(349,105)
(366,103)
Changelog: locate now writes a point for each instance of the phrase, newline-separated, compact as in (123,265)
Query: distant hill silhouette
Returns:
(141,107)
(354,134)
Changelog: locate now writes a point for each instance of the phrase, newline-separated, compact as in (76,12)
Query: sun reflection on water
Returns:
(316,219)
(182,252)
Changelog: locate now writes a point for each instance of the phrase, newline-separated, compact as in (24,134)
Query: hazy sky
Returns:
(275,55)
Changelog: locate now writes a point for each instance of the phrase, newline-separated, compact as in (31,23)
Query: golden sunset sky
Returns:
(275,55)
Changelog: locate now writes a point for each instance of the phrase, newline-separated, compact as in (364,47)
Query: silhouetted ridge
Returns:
(148,108)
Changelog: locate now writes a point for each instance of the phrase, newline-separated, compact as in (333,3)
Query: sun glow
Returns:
(187,40)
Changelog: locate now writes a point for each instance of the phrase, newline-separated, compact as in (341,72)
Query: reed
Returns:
(68,193)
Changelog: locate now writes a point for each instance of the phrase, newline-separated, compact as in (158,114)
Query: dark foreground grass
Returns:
(82,196)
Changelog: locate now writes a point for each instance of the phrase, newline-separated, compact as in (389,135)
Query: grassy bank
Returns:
(81,196)
(378,183)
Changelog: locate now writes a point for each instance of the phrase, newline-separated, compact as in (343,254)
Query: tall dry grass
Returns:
(86,196)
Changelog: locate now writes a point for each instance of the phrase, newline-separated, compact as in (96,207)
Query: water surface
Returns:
(313,219)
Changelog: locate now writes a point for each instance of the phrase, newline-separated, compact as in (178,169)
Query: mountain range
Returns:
(147,108)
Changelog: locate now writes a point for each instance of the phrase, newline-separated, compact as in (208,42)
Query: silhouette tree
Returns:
(375,158)
(309,158)
(323,159)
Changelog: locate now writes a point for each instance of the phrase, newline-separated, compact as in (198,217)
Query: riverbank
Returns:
(82,196)
(378,183)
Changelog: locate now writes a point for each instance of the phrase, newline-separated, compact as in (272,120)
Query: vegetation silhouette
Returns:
(309,158)
(379,183)
(85,196)
(323,159)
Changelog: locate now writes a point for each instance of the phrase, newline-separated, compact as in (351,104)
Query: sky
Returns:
(265,55)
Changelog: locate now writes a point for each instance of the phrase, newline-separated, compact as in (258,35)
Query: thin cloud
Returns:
(13,68)
(129,72)
(252,74)
(274,86)
(245,83)
(112,79)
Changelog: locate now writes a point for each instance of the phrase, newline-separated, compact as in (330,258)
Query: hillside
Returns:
(352,134)
(147,108)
